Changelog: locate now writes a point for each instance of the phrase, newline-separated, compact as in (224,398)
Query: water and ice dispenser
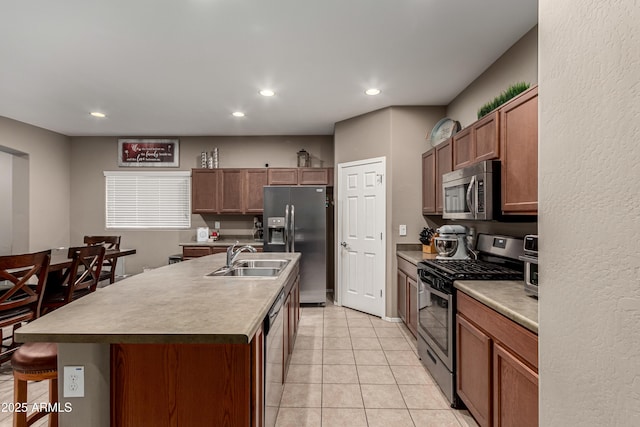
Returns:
(276,230)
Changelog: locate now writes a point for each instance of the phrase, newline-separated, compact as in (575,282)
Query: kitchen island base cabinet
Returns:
(497,366)
(184,384)
(408,294)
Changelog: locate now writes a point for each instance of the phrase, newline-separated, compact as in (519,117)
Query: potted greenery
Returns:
(511,92)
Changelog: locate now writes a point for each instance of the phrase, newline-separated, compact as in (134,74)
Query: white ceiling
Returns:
(181,67)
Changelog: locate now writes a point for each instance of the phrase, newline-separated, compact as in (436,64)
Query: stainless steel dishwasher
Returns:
(274,340)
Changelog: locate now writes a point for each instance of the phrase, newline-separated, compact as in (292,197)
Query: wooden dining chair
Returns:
(80,279)
(23,279)
(109,265)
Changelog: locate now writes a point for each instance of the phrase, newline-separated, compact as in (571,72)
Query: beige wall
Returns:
(519,63)
(589,109)
(90,156)
(397,133)
(49,177)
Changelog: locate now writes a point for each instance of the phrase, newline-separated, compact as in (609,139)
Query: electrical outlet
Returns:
(216,225)
(73,381)
(403,230)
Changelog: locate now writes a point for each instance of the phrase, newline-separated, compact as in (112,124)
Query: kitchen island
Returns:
(169,346)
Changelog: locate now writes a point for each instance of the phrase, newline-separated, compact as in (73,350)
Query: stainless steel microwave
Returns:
(472,192)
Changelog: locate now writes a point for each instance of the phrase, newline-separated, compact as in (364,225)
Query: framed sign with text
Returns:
(148,152)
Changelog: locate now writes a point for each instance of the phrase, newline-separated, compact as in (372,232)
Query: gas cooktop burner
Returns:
(470,269)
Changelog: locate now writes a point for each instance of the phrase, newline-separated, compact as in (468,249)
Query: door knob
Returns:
(343,244)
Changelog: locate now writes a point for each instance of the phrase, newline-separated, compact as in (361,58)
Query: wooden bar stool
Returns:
(109,265)
(34,362)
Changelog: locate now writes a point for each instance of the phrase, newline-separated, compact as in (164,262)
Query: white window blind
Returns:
(148,199)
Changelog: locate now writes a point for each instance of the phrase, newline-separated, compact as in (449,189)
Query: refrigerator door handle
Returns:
(286,229)
(293,229)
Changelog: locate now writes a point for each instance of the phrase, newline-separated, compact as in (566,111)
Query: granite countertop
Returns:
(414,257)
(227,241)
(171,304)
(507,297)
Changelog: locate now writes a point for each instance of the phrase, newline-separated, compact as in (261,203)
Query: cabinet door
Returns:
(519,153)
(486,140)
(204,191)
(444,164)
(189,252)
(402,296)
(282,176)
(429,182)
(462,148)
(473,381)
(286,341)
(313,176)
(515,391)
(412,305)
(257,379)
(231,190)
(256,179)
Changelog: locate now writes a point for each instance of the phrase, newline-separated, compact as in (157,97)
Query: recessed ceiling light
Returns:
(237,114)
(267,92)
(372,91)
(98,114)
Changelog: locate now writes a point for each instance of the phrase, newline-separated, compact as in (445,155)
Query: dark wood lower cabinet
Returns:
(473,371)
(497,366)
(407,294)
(515,391)
(182,384)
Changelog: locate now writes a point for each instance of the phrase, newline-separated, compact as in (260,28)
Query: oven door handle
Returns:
(439,293)
(470,197)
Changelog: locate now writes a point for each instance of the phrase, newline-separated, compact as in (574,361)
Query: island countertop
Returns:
(170,304)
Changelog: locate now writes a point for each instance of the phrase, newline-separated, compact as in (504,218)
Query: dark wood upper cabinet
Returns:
(256,179)
(486,138)
(462,144)
(478,142)
(231,190)
(313,176)
(444,164)
(282,176)
(204,191)
(519,154)
(429,182)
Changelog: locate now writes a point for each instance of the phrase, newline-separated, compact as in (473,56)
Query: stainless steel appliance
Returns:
(530,259)
(498,260)
(297,221)
(472,192)
(274,336)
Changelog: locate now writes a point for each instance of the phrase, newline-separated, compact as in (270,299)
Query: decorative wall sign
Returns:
(149,152)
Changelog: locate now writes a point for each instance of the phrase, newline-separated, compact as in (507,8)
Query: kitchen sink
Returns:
(242,270)
(261,263)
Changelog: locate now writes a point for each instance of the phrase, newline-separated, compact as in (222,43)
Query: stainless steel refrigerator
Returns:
(296,219)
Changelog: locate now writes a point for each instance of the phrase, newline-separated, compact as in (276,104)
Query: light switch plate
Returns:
(403,229)
(73,381)
(216,225)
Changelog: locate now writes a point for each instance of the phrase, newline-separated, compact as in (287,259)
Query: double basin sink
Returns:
(252,268)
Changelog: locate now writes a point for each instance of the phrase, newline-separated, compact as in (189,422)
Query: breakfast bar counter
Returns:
(172,304)
(151,346)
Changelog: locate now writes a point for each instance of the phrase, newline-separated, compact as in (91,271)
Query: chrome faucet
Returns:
(233,254)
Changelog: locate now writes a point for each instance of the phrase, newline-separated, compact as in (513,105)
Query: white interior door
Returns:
(361,242)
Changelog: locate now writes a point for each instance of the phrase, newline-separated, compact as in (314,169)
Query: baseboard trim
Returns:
(392,319)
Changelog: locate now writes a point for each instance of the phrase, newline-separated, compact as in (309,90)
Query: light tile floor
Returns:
(352,369)
(37,392)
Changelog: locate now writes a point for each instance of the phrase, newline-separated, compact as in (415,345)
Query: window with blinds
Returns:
(148,199)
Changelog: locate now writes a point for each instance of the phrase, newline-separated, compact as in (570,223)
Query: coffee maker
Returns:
(451,242)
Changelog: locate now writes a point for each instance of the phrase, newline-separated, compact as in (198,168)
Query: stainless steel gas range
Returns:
(498,260)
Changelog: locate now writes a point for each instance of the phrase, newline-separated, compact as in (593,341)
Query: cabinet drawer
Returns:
(409,269)
(195,251)
(520,340)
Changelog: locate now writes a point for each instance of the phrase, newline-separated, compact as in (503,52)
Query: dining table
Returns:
(60,259)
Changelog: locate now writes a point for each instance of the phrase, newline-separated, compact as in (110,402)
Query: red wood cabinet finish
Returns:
(204,191)
(444,164)
(164,384)
(429,182)
(497,366)
(519,153)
